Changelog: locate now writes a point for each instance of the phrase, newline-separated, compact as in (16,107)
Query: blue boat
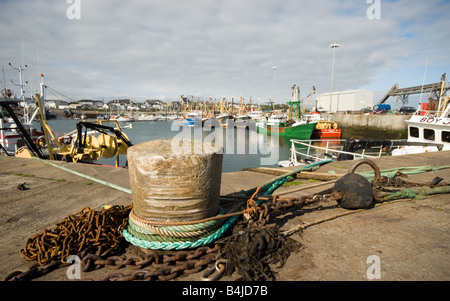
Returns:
(192,120)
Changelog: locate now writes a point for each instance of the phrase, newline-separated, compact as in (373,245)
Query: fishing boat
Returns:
(285,125)
(124,117)
(145,117)
(242,121)
(428,127)
(325,128)
(95,142)
(13,135)
(257,115)
(224,119)
(297,129)
(305,152)
(242,118)
(17,133)
(191,119)
(428,131)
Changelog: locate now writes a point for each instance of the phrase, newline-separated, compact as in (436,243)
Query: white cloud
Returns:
(147,49)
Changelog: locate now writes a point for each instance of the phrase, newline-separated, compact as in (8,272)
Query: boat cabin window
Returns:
(445,136)
(414,132)
(428,134)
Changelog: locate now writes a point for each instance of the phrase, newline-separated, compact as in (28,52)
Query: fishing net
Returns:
(251,250)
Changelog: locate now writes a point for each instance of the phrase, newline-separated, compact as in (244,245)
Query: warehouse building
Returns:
(345,101)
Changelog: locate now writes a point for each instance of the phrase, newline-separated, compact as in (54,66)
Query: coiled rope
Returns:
(192,234)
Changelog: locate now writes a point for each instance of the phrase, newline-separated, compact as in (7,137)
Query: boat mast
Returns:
(313,92)
(298,103)
(290,103)
(21,82)
(442,89)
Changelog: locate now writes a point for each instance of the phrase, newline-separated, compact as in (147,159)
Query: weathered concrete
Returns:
(382,121)
(410,237)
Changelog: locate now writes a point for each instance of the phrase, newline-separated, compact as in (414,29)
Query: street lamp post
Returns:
(333,46)
(273,83)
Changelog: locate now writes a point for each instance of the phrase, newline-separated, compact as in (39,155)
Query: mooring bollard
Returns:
(175,186)
(356,189)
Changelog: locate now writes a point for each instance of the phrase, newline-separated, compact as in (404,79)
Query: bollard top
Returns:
(175,147)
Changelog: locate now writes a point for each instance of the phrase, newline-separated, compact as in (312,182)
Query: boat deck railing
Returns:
(325,149)
(442,110)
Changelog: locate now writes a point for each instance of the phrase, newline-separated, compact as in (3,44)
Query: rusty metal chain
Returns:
(36,270)
(158,266)
(380,182)
(95,235)
(261,213)
(398,182)
(86,228)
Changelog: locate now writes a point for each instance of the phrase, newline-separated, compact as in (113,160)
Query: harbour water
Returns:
(242,148)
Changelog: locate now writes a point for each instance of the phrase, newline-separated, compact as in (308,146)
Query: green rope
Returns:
(147,235)
(309,167)
(418,193)
(106,183)
(391,173)
(146,239)
(180,245)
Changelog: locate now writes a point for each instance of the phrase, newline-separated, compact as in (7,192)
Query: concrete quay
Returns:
(411,238)
(380,121)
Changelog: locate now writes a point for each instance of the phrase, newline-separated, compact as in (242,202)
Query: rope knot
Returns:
(252,206)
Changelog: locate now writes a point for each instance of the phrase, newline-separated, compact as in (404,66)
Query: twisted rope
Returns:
(188,230)
(184,235)
(179,245)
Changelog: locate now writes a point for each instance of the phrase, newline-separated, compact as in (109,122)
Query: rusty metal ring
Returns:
(372,164)
(219,266)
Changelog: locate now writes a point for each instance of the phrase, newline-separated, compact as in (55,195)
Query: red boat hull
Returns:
(326,134)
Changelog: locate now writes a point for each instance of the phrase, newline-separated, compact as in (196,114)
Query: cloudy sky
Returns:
(104,49)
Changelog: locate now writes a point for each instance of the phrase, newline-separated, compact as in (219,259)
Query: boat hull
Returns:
(301,132)
(326,134)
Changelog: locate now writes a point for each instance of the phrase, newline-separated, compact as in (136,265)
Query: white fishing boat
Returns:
(428,129)
(256,115)
(305,152)
(124,118)
(277,118)
(224,118)
(17,132)
(272,120)
(172,117)
(12,136)
(145,117)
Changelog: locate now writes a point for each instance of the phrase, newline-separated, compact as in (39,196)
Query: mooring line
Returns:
(106,183)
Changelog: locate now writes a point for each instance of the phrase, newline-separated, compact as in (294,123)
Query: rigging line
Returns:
(59,93)
(4,78)
(55,95)
(423,81)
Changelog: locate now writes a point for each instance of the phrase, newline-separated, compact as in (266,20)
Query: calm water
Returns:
(242,148)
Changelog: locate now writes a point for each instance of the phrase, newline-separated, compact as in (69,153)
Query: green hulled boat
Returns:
(295,130)
(285,125)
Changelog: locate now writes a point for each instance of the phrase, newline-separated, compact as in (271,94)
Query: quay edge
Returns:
(382,121)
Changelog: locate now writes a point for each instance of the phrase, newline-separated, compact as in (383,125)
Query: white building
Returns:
(345,101)
(56,104)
